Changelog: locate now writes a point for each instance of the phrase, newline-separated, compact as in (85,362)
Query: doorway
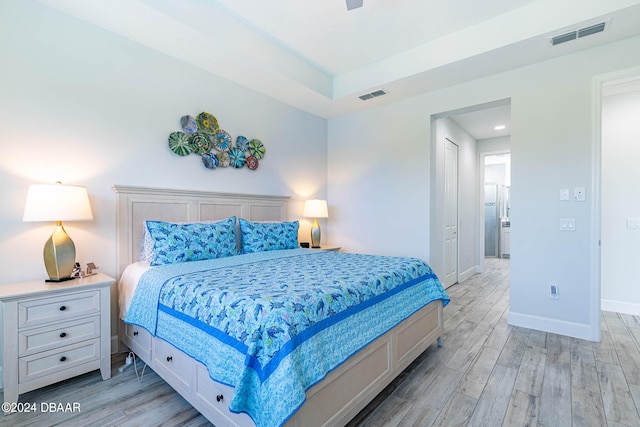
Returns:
(496,205)
(619,208)
(475,132)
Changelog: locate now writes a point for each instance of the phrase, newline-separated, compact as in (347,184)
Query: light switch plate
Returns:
(633,223)
(567,224)
(564,194)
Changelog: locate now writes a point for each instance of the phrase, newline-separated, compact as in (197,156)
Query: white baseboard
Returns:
(555,326)
(620,307)
(468,273)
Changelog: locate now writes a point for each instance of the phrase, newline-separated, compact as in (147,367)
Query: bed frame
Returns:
(333,401)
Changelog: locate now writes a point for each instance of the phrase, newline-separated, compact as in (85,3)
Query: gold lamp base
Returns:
(315,234)
(59,255)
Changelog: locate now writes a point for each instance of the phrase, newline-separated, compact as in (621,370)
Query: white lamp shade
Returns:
(57,202)
(315,209)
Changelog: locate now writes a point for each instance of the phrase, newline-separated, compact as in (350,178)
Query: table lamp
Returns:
(58,202)
(315,209)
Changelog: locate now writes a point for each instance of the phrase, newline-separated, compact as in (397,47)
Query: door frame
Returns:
(596,204)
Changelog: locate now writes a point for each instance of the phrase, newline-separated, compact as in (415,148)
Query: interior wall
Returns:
(383,163)
(381,168)
(87,107)
(620,270)
(490,145)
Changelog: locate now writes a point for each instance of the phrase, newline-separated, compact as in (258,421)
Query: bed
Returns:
(288,337)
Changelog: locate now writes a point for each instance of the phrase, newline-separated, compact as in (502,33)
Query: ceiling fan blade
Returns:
(354,4)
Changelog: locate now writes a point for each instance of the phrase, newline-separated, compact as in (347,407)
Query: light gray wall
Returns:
(620,201)
(380,166)
(500,144)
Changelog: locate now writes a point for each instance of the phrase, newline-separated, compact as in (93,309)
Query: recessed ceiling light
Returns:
(500,127)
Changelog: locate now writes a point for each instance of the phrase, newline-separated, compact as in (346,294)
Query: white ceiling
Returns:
(317,56)
(340,41)
(480,123)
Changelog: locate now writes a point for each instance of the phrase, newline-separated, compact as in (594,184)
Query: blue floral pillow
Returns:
(173,243)
(146,242)
(268,236)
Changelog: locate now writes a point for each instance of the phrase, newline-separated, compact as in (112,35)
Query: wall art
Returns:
(202,135)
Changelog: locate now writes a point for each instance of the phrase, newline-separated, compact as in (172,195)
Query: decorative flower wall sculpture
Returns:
(203,136)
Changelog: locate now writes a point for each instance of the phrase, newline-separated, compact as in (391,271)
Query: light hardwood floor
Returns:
(487,373)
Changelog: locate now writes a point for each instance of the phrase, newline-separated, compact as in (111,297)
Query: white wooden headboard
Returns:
(136,204)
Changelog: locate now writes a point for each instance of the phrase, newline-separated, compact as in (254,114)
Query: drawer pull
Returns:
(63,308)
(169,358)
(135,333)
(219,397)
(63,334)
(63,358)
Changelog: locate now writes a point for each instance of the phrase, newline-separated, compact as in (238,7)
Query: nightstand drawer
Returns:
(45,338)
(47,363)
(47,310)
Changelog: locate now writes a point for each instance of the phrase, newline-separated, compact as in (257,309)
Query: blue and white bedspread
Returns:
(272,324)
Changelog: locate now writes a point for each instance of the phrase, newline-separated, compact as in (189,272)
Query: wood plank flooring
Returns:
(491,374)
(487,373)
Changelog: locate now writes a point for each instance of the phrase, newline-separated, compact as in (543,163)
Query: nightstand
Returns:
(329,248)
(54,331)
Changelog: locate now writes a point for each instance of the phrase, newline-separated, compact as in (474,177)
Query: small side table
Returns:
(54,331)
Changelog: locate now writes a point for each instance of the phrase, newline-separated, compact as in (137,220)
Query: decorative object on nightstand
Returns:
(58,202)
(315,209)
(54,331)
(78,272)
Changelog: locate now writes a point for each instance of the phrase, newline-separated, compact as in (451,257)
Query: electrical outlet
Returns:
(579,194)
(554,291)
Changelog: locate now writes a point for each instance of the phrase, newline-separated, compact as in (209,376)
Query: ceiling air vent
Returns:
(373,94)
(563,38)
(587,31)
(574,34)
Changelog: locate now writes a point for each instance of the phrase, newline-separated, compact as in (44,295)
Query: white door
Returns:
(450,213)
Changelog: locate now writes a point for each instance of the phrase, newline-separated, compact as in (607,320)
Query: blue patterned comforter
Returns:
(272,324)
